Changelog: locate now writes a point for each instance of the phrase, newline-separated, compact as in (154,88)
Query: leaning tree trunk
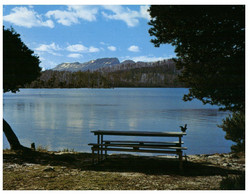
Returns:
(11,137)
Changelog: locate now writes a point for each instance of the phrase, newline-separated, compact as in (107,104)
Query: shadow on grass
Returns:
(160,166)
(118,163)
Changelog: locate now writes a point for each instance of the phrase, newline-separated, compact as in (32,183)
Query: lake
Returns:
(63,118)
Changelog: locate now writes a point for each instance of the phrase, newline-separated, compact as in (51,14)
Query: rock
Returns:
(225,164)
(29,164)
(48,169)
(12,166)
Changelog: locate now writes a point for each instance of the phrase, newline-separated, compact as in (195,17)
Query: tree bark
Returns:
(11,137)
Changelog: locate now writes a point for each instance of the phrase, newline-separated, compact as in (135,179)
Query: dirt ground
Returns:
(74,171)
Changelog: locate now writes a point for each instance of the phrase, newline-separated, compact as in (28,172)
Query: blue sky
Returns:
(80,33)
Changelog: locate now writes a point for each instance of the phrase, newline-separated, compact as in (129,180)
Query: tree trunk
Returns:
(11,137)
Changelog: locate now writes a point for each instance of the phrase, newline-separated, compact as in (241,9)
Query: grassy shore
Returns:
(45,170)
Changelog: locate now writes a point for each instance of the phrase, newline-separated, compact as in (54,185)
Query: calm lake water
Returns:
(63,118)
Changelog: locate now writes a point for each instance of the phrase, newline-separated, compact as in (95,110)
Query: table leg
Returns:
(180,161)
(180,155)
(180,141)
(93,156)
(98,151)
(101,147)
(105,152)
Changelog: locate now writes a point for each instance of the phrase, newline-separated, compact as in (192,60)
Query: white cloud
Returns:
(130,17)
(146,58)
(144,12)
(77,48)
(41,58)
(44,47)
(134,48)
(51,48)
(22,16)
(63,17)
(74,55)
(50,64)
(84,12)
(47,64)
(112,48)
(82,49)
(73,14)
(93,49)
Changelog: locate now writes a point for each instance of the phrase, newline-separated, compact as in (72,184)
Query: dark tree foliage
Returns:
(210,45)
(20,65)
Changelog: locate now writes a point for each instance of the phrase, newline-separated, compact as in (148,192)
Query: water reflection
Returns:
(63,118)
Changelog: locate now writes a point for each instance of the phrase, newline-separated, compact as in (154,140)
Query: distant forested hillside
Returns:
(140,74)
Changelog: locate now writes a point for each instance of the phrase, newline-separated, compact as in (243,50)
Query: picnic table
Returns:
(103,145)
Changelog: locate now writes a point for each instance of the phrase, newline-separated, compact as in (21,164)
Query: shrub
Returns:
(42,149)
(234,126)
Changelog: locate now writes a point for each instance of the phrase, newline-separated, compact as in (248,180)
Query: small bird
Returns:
(183,129)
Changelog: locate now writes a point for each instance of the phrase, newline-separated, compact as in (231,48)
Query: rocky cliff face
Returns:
(91,65)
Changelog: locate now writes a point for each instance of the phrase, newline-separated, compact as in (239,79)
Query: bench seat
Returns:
(139,150)
(144,142)
(135,146)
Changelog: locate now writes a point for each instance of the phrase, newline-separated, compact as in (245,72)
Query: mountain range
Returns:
(91,65)
(110,73)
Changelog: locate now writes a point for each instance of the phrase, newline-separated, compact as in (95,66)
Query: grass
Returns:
(68,150)
(233,182)
(45,149)
(42,149)
(48,170)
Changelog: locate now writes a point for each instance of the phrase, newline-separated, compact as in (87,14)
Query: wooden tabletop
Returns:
(138,133)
